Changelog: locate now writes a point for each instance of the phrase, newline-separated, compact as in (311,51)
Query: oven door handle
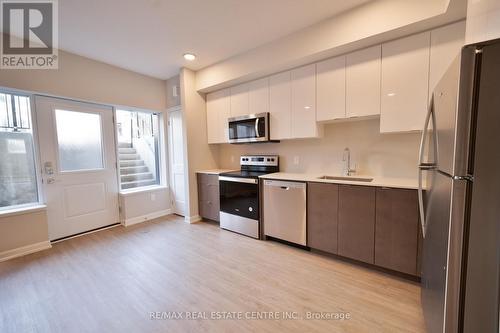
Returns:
(239,180)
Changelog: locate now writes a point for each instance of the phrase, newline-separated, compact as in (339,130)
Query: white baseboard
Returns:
(24,250)
(192,219)
(144,218)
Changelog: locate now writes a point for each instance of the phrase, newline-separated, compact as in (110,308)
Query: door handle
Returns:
(426,166)
(286,188)
(257,134)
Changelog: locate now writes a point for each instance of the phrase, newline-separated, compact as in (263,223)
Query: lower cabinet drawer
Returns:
(322,216)
(208,196)
(397,230)
(356,230)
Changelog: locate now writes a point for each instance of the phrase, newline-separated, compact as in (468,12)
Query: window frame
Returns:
(36,156)
(160,147)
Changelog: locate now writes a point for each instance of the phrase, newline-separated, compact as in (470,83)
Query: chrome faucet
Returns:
(348,171)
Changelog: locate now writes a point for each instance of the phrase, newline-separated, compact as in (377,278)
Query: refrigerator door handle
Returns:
(421,202)
(430,116)
(425,166)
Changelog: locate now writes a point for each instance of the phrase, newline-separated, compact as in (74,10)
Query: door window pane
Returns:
(79,140)
(18,183)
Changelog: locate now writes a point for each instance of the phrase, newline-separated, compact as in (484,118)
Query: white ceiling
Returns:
(150,36)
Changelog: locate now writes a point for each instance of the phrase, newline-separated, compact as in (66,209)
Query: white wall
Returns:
(23,230)
(200,155)
(369,24)
(483,20)
(141,206)
(388,155)
(90,80)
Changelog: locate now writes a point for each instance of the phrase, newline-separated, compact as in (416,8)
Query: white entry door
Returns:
(176,158)
(77,151)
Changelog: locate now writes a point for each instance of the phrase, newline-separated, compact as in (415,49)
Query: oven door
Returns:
(249,128)
(239,196)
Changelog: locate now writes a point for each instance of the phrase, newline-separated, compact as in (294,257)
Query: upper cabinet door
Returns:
(218,110)
(405,83)
(239,100)
(446,45)
(304,102)
(363,82)
(330,89)
(258,96)
(280,106)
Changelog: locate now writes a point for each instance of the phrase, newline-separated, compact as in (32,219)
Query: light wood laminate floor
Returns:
(112,280)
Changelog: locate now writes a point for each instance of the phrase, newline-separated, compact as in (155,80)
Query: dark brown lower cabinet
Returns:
(396,230)
(356,218)
(322,216)
(208,196)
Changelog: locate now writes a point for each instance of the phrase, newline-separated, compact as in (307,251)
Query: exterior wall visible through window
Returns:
(18,181)
(138,142)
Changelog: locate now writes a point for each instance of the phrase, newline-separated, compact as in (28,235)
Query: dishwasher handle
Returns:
(285,185)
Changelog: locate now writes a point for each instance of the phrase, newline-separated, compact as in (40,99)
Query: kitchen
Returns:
(348,185)
(291,166)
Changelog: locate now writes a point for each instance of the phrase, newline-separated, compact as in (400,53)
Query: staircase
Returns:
(133,172)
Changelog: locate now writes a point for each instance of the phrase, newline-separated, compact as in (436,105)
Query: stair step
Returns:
(131,163)
(133,169)
(138,183)
(127,150)
(124,145)
(124,157)
(137,176)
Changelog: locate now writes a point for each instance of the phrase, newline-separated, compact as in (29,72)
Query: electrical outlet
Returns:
(153,197)
(232,158)
(296,160)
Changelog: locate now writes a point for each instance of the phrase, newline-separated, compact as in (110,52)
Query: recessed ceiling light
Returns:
(189,56)
(391,94)
(307,107)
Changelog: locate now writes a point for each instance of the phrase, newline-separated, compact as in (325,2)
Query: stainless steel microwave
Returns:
(249,128)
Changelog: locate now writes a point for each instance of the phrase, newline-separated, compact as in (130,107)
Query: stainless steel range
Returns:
(240,194)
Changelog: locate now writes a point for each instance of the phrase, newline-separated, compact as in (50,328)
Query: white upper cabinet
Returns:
(258,98)
(218,110)
(363,82)
(446,45)
(330,89)
(280,106)
(240,104)
(405,79)
(304,102)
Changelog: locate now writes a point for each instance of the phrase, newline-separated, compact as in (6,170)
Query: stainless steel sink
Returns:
(347,178)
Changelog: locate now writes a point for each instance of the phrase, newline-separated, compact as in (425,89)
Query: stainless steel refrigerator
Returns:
(459,195)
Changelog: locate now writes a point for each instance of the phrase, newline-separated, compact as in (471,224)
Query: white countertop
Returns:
(403,183)
(215,171)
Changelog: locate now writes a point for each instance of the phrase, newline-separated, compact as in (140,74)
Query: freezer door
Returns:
(435,248)
(452,112)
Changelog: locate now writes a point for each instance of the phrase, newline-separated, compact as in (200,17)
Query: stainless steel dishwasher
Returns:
(285,210)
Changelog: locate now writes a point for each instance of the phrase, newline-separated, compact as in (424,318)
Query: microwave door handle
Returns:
(257,134)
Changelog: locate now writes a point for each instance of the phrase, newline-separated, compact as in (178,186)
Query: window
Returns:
(18,181)
(138,141)
(79,140)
